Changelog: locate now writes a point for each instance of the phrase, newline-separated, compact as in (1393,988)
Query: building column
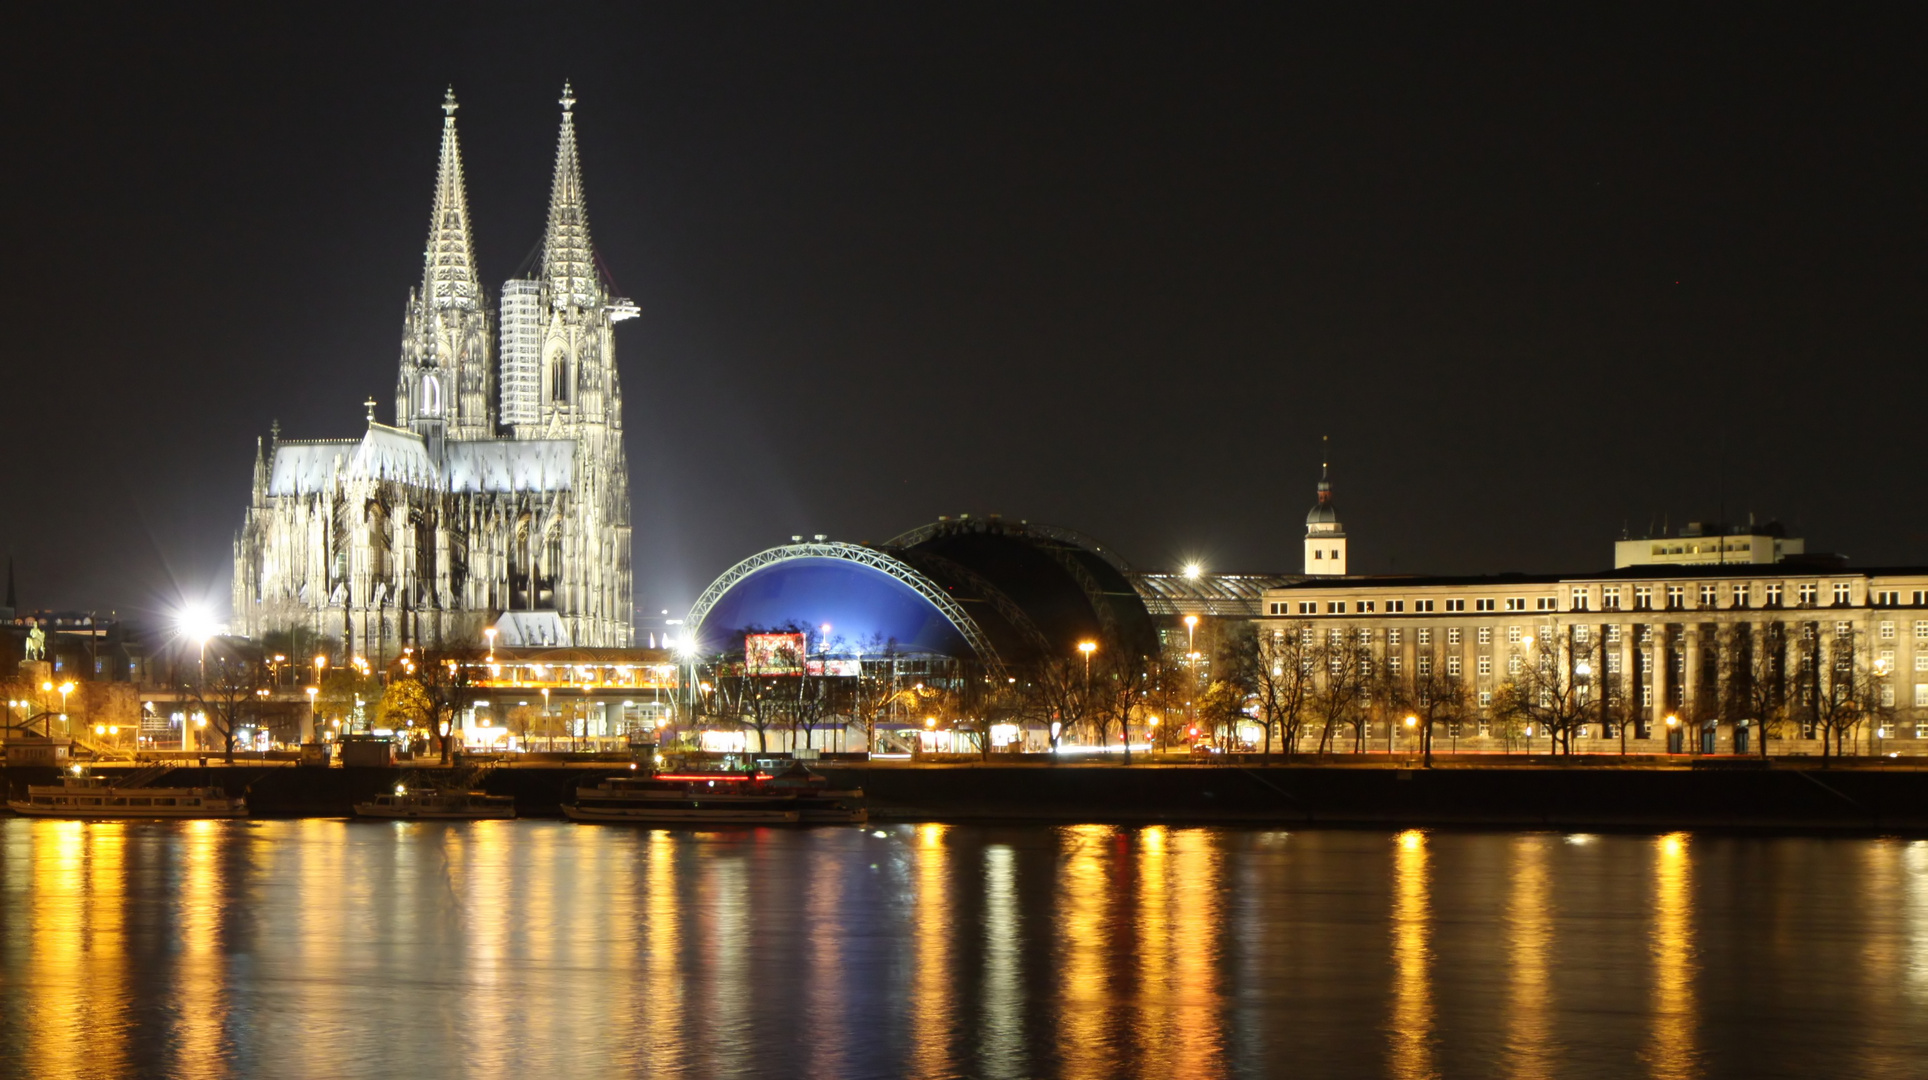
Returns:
(1657,672)
(1690,696)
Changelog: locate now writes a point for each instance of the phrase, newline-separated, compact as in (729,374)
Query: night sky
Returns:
(1540,275)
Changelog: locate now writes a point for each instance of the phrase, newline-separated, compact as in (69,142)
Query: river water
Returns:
(327,948)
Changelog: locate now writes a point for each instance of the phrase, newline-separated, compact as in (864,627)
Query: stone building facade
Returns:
(502,484)
(1688,657)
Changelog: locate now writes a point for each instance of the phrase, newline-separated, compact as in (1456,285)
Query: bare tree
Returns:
(227,688)
(1756,677)
(1843,688)
(1337,700)
(1545,687)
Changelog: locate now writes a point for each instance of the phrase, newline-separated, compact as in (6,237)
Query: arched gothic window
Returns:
(559,378)
(431,403)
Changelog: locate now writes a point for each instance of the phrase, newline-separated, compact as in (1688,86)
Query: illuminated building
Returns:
(499,487)
(1712,648)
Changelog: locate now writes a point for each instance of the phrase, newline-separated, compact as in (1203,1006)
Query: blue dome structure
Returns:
(862,604)
(1001,593)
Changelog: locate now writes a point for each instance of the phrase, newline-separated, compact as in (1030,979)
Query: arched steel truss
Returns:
(1016,528)
(862,556)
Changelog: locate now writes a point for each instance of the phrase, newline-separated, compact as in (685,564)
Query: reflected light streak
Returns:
(1002,1054)
(1529,1048)
(1412,1008)
(825,1016)
(1915,861)
(664,1013)
(930,1003)
(1082,925)
(1157,1022)
(1671,1053)
(77,1015)
(1199,911)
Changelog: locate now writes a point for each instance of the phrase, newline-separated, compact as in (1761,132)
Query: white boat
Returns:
(97,797)
(428,804)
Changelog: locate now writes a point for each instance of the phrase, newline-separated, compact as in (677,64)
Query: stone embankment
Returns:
(1786,795)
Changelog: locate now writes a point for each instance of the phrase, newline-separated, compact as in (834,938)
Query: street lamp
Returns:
(490,634)
(548,733)
(1191,632)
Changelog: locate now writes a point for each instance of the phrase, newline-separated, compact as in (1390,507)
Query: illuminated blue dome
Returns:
(865,607)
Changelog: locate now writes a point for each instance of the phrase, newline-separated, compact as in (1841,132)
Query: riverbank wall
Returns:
(1546,794)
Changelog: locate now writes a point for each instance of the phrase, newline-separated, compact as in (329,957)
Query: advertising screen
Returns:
(773,654)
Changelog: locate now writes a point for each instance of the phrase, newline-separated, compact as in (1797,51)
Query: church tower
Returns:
(444,389)
(559,381)
(1325,539)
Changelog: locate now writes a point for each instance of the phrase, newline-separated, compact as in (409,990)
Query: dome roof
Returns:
(1322,514)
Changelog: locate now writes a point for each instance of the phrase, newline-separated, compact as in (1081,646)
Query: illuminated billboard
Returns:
(773,654)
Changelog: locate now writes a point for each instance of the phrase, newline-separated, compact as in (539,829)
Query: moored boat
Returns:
(433,805)
(795,796)
(97,797)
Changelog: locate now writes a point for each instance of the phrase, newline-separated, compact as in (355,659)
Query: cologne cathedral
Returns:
(501,489)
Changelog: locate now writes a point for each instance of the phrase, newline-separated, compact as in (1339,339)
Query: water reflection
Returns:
(1529,937)
(930,1005)
(1002,1053)
(1412,1010)
(509,949)
(1671,1053)
(1083,918)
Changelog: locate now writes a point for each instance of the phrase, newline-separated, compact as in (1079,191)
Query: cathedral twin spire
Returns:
(568,259)
(449,277)
(448,274)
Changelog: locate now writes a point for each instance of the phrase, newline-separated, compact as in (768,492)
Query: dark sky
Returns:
(1538,274)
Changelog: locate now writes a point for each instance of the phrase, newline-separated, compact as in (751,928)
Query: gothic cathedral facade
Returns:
(500,489)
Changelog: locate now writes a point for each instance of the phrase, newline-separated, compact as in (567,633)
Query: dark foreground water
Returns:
(543,949)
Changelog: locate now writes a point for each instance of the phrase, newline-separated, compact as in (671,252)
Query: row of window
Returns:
(1674,597)
(1583,634)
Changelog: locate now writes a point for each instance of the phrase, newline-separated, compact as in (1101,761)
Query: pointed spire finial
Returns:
(1325,469)
(568,256)
(448,265)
